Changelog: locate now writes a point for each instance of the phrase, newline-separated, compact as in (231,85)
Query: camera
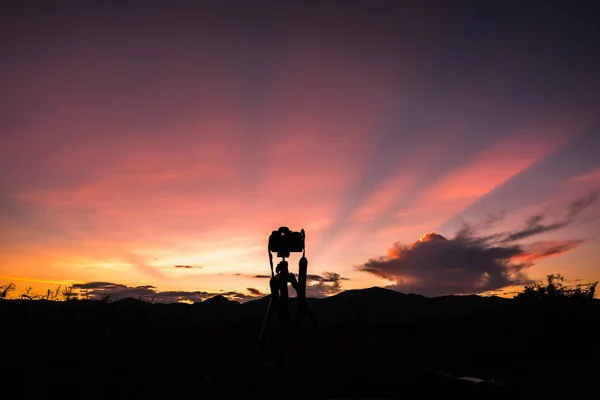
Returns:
(283,241)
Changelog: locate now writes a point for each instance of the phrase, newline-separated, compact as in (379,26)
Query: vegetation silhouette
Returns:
(387,344)
(554,288)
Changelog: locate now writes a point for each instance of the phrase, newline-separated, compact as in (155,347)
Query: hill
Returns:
(380,343)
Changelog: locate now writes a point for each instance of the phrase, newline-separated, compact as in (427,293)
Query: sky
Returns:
(150,148)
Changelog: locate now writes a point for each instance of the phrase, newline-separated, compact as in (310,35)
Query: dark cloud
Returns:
(99,285)
(100,290)
(241,297)
(535,225)
(492,219)
(471,263)
(255,292)
(324,285)
(188,266)
(581,204)
(435,266)
(319,285)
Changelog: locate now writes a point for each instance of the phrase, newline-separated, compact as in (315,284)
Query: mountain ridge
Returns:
(374,305)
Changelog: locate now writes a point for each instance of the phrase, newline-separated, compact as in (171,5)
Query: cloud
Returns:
(434,266)
(591,176)
(188,266)
(535,226)
(324,285)
(485,171)
(581,204)
(239,297)
(255,292)
(541,250)
(100,285)
(492,219)
(99,290)
(471,263)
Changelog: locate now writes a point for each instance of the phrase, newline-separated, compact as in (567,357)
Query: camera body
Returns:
(283,241)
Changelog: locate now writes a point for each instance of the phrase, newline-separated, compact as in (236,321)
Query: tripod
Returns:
(278,305)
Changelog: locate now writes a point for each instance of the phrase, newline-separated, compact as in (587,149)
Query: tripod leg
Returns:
(274,303)
(280,384)
(265,327)
(317,328)
(301,288)
(329,349)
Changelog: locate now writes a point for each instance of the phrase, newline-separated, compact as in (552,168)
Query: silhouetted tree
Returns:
(56,294)
(554,288)
(68,294)
(147,299)
(6,290)
(28,294)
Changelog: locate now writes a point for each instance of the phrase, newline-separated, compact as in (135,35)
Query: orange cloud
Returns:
(542,250)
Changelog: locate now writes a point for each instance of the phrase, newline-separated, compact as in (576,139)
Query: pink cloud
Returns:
(590,176)
(484,172)
(542,250)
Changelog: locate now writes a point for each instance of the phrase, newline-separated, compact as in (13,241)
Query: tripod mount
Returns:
(283,242)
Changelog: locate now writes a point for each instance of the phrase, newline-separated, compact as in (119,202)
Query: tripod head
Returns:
(282,268)
(284,241)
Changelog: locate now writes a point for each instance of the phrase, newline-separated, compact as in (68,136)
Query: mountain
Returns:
(360,306)
(374,305)
(377,339)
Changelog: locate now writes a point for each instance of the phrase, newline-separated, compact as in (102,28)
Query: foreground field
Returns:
(128,349)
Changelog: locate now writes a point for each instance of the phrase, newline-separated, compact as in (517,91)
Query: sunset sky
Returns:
(155,145)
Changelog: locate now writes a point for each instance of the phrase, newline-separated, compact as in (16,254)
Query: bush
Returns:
(554,288)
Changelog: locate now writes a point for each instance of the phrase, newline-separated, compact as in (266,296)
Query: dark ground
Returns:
(130,349)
